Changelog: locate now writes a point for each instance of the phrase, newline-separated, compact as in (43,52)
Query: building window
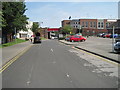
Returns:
(90,24)
(94,24)
(79,22)
(102,24)
(107,25)
(76,23)
(82,24)
(86,24)
(99,24)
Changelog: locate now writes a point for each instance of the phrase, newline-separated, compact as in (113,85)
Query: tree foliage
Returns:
(13,14)
(67,29)
(35,27)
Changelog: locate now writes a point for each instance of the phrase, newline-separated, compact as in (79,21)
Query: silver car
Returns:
(117,47)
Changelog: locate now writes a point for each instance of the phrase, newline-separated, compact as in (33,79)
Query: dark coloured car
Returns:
(115,35)
(99,35)
(117,39)
(117,47)
(68,38)
(37,39)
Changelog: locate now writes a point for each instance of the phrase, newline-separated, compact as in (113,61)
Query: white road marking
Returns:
(51,49)
(30,75)
(28,82)
(68,75)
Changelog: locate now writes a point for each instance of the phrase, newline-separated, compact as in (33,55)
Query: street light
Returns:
(113,39)
(79,27)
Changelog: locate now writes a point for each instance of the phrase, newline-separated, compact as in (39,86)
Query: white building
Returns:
(26,34)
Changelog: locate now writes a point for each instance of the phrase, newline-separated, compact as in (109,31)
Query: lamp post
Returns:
(113,39)
(113,33)
(79,28)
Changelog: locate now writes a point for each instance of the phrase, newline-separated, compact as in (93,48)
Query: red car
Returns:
(107,35)
(77,38)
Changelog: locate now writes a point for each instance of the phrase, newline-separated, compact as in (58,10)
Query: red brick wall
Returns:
(65,22)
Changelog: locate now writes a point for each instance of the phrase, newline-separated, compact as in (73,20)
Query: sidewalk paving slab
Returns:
(10,52)
(90,48)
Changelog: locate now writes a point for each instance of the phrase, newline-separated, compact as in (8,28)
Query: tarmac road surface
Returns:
(52,65)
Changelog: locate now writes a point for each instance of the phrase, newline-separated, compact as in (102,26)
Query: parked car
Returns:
(107,35)
(117,47)
(77,38)
(115,35)
(117,39)
(99,35)
(54,37)
(103,35)
(68,38)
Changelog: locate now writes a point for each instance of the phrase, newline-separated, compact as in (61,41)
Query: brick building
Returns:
(88,26)
(47,32)
(116,27)
(43,32)
(65,22)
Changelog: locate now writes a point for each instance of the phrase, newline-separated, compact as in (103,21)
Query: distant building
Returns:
(47,32)
(116,27)
(88,26)
(65,22)
(26,34)
(75,23)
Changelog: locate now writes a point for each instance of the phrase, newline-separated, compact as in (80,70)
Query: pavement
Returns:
(102,48)
(10,52)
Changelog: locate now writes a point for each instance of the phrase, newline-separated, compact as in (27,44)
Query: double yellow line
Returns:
(4,67)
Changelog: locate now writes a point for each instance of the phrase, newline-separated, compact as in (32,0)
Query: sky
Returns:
(52,13)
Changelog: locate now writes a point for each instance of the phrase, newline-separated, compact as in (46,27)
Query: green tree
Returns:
(67,29)
(13,15)
(35,27)
(2,21)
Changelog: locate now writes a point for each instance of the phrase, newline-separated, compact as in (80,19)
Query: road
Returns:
(52,64)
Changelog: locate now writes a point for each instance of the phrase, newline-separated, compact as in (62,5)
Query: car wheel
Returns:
(83,40)
(72,40)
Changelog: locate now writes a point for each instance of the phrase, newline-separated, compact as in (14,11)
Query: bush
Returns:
(61,38)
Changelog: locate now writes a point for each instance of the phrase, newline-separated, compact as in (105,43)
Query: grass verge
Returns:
(42,38)
(12,43)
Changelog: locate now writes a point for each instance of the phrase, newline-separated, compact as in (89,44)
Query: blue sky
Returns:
(52,13)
